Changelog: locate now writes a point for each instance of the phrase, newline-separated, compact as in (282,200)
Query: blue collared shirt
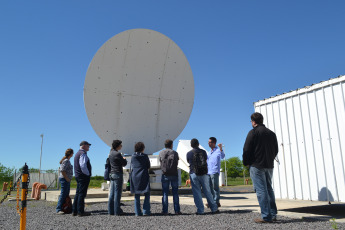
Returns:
(83,163)
(213,160)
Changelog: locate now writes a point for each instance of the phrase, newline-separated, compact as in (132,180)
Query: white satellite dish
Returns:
(139,87)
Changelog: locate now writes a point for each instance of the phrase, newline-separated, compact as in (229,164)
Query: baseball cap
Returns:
(84,143)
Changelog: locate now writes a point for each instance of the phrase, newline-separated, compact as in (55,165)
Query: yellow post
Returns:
(25,186)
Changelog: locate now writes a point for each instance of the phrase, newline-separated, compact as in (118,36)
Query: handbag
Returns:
(107,170)
(67,206)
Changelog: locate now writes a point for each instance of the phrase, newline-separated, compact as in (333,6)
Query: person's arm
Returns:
(148,162)
(64,174)
(63,171)
(83,164)
(248,149)
(222,154)
(275,145)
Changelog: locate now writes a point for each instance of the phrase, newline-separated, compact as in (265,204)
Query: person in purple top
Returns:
(82,172)
(213,164)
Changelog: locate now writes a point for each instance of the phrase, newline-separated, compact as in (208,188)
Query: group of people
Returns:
(259,152)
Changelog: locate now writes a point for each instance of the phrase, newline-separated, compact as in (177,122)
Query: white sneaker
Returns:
(60,213)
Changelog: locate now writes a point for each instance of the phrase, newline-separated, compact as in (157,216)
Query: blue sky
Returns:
(239,51)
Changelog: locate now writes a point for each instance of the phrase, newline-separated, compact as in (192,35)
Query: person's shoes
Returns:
(164,213)
(139,214)
(216,212)
(218,204)
(274,219)
(148,214)
(261,221)
(197,213)
(84,214)
(122,204)
(207,206)
(60,213)
(74,214)
(178,213)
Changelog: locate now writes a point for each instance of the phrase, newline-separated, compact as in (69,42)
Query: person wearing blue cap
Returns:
(82,172)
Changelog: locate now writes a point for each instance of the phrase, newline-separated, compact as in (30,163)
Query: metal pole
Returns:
(25,175)
(244,177)
(226,174)
(39,172)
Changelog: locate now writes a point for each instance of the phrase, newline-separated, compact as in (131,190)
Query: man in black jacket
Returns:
(259,152)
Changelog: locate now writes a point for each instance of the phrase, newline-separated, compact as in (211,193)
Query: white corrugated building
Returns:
(310,127)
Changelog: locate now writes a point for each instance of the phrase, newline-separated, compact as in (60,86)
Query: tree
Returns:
(184,176)
(234,167)
(6,173)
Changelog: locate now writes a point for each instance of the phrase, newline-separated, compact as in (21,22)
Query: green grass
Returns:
(238,181)
(95,182)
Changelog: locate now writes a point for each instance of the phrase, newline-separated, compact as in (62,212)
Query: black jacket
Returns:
(260,148)
(116,162)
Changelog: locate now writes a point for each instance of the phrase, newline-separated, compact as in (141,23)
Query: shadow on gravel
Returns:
(234,198)
(235,211)
(244,206)
(302,220)
(334,210)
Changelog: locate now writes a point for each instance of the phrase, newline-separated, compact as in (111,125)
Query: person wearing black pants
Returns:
(82,172)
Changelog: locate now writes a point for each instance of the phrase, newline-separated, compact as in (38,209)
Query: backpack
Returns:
(199,163)
(107,170)
(169,164)
(67,206)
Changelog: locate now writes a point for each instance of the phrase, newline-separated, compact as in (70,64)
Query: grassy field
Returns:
(95,182)
(238,181)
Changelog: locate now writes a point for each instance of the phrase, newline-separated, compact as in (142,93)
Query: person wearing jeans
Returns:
(166,181)
(140,179)
(116,178)
(262,181)
(80,194)
(65,177)
(82,172)
(116,182)
(169,160)
(259,152)
(213,163)
(199,182)
(146,206)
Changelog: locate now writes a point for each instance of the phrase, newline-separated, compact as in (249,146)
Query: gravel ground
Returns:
(41,215)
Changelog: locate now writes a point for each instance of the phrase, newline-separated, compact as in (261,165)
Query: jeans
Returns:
(65,188)
(214,187)
(80,194)
(146,206)
(166,181)
(116,183)
(262,181)
(203,182)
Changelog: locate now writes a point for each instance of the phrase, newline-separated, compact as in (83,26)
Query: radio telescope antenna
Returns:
(139,87)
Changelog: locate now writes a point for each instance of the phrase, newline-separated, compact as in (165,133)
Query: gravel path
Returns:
(41,215)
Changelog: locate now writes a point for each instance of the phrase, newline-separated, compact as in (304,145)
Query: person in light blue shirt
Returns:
(82,172)
(83,160)
(213,164)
